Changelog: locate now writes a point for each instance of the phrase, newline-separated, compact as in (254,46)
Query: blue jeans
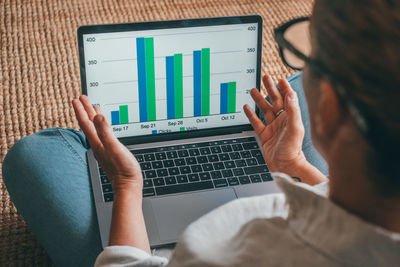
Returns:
(47,177)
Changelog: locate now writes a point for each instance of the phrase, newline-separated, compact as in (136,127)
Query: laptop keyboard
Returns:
(191,167)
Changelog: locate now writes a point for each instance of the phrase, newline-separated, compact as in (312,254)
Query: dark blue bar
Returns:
(154,132)
(197,82)
(224,98)
(170,87)
(141,66)
(115,117)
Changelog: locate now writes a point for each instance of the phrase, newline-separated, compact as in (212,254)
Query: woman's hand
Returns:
(127,224)
(119,164)
(282,138)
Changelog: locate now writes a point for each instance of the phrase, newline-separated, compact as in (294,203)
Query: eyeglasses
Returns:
(294,43)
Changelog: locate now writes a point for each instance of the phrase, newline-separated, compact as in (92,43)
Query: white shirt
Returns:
(300,227)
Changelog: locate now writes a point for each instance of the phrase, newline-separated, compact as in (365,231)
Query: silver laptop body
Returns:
(227,151)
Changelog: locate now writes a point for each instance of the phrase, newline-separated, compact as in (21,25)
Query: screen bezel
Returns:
(152,25)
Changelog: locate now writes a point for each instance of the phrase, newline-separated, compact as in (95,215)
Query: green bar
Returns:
(178,80)
(205,81)
(182,129)
(150,79)
(123,114)
(232,97)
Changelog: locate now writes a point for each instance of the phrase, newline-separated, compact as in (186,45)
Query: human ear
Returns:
(328,116)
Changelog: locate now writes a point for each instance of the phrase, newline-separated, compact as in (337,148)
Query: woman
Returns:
(352,87)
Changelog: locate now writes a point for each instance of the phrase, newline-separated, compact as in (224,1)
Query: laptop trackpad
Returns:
(174,213)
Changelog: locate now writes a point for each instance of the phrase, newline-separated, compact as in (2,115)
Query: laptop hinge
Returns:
(185,135)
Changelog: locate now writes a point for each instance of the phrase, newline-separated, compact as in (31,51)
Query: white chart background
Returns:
(116,73)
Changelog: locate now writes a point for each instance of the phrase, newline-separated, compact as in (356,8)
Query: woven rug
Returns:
(40,73)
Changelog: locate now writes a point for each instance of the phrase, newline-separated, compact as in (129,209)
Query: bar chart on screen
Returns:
(172,80)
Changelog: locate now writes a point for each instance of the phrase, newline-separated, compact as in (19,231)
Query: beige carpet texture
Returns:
(39,73)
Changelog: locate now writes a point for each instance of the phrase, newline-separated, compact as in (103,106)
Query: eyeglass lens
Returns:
(299,36)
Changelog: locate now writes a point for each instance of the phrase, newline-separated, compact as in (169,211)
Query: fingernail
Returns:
(99,118)
(292,97)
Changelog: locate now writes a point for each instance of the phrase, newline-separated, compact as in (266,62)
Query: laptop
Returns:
(174,92)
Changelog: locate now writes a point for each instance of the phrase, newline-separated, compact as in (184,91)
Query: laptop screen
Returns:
(175,79)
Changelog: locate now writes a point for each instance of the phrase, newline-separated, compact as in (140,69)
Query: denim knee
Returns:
(19,164)
(47,177)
